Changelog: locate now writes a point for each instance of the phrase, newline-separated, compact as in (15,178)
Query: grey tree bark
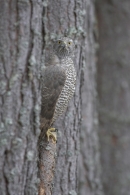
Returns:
(90,181)
(26,31)
(20,54)
(114,94)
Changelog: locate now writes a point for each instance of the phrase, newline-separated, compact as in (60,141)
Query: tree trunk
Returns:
(90,182)
(114,94)
(20,55)
(26,31)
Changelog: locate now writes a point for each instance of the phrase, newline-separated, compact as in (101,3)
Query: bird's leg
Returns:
(52,133)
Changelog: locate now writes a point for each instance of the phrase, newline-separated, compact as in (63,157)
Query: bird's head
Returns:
(63,47)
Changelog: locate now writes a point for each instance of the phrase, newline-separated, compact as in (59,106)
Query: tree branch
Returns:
(46,164)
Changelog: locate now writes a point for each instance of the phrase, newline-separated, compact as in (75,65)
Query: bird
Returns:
(57,84)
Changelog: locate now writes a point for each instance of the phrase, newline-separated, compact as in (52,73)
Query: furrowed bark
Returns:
(46,164)
(21,46)
(78,17)
(114,94)
(26,28)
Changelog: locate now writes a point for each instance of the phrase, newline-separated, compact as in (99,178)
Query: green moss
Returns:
(9,93)
(24,44)
(32,60)
(3,85)
(69,153)
(16,23)
(30,155)
(2,126)
(8,121)
(53,36)
(17,141)
(13,79)
(82,12)
(13,173)
(37,33)
(37,107)
(22,119)
(72,31)
(72,192)
(45,3)
(3,141)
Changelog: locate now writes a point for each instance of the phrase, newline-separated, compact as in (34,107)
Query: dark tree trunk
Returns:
(114,94)
(20,56)
(26,31)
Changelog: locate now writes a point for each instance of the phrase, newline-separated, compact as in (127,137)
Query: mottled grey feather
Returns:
(58,81)
(52,83)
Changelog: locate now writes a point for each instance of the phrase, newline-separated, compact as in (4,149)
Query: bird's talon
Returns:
(52,133)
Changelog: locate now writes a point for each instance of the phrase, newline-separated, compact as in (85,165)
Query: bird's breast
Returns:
(66,93)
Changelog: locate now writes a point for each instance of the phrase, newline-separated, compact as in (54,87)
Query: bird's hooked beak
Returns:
(65,44)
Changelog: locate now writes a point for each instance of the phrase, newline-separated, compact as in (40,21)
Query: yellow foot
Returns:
(52,133)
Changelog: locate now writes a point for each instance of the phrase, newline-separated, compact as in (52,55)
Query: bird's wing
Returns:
(52,84)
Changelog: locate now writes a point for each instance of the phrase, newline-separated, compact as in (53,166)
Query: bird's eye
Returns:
(59,42)
(69,43)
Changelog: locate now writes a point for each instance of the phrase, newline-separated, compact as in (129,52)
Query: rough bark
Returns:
(114,94)
(59,16)
(90,182)
(78,18)
(26,31)
(20,56)
(46,164)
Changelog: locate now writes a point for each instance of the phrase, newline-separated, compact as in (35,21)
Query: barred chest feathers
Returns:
(68,89)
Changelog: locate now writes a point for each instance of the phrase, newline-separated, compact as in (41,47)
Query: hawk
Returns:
(58,84)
